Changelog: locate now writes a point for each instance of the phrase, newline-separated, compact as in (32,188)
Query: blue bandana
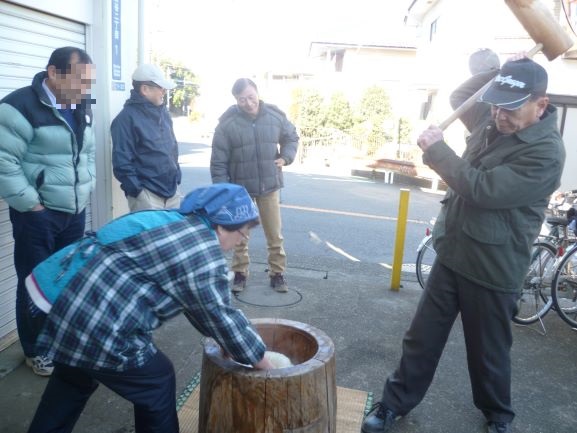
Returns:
(221,203)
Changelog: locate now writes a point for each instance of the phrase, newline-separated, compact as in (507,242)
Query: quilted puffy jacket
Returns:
(244,149)
(42,161)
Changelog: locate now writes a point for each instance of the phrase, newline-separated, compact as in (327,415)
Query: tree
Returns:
(307,111)
(186,90)
(375,103)
(296,102)
(375,111)
(404,130)
(339,114)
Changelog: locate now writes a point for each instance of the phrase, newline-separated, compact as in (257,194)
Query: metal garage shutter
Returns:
(27,38)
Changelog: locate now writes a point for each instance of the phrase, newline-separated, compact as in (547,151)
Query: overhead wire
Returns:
(563,5)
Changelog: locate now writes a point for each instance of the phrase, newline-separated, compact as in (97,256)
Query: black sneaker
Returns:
(278,283)
(379,419)
(239,282)
(498,427)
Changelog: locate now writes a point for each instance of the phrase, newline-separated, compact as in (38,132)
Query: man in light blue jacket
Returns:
(47,173)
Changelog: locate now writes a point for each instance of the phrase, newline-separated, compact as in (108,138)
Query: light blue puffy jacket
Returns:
(42,161)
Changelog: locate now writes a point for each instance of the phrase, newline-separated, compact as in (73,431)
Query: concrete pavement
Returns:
(352,303)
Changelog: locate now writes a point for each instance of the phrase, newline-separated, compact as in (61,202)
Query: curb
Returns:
(396,178)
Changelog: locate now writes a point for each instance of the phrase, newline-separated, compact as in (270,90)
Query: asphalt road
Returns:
(333,214)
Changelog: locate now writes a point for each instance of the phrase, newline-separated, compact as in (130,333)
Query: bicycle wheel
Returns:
(425,257)
(535,300)
(564,288)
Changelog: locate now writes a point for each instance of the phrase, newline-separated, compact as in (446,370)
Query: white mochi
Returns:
(278,359)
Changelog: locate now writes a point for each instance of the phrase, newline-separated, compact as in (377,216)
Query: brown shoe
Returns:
(239,282)
(278,283)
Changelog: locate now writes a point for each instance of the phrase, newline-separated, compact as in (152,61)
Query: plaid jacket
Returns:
(123,282)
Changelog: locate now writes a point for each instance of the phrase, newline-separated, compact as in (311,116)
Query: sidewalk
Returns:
(352,303)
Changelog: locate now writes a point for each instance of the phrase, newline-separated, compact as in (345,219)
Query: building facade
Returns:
(449,31)
(29,31)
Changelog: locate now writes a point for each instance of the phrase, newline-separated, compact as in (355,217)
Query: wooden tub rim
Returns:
(324,353)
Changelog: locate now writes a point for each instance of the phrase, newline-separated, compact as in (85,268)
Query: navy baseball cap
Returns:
(221,203)
(516,83)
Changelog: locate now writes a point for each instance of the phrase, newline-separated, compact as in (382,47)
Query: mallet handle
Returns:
(472,100)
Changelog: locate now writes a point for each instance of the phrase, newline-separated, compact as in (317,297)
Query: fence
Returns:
(333,144)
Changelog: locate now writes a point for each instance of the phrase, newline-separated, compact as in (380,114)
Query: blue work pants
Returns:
(38,235)
(151,389)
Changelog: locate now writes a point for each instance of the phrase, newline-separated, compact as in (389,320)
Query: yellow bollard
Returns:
(400,239)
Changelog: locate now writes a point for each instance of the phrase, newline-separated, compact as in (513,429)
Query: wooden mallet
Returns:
(547,33)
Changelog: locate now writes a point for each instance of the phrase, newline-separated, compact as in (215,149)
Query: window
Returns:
(433,29)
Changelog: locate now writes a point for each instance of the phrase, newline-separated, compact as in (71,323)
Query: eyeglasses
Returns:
(243,100)
(244,235)
(152,84)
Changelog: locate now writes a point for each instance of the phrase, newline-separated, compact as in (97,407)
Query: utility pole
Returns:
(168,72)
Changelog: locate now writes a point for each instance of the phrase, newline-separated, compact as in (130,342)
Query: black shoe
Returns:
(379,419)
(498,427)
(239,282)
(278,283)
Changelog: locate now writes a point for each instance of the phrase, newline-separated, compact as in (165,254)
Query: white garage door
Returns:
(27,38)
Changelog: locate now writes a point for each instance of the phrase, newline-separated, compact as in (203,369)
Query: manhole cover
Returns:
(262,295)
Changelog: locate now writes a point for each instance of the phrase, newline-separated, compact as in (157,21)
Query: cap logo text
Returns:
(509,81)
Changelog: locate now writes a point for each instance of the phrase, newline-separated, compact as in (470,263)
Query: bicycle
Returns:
(425,257)
(535,299)
(564,287)
(546,261)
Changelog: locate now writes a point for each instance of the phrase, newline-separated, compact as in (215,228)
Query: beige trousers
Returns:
(148,200)
(269,210)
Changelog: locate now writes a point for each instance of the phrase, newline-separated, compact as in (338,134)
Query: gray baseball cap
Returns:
(148,72)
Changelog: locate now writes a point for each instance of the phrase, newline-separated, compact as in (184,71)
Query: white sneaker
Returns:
(41,365)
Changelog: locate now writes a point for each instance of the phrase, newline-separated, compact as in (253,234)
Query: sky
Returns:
(222,40)
(256,35)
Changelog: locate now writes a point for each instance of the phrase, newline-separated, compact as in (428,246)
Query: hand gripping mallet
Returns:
(547,33)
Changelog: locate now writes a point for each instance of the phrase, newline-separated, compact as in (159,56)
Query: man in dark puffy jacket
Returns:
(145,150)
(47,173)
(491,214)
(251,144)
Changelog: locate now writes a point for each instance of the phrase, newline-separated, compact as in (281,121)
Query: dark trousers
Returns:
(486,317)
(151,388)
(38,235)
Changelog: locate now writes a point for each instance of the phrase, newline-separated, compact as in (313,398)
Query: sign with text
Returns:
(116,41)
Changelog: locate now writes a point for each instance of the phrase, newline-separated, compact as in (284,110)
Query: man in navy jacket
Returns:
(145,150)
